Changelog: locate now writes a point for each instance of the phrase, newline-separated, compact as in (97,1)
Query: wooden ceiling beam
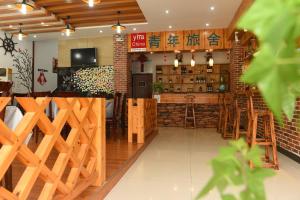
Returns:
(33,20)
(107,23)
(108,17)
(67,7)
(32,25)
(87,12)
(245,5)
(50,3)
(41,30)
(17,15)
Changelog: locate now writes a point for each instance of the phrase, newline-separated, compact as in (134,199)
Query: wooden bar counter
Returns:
(171,109)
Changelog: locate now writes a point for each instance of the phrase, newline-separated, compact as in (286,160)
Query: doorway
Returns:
(142,85)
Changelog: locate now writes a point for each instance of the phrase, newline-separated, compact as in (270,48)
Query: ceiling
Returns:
(137,15)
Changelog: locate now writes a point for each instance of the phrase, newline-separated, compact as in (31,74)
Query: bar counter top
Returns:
(200,98)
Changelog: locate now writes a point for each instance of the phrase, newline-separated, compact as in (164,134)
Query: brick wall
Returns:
(121,65)
(172,115)
(288,136)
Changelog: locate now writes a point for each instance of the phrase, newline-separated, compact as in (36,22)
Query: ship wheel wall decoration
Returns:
(8,44)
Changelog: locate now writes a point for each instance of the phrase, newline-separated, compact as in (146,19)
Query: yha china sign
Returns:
(138,42)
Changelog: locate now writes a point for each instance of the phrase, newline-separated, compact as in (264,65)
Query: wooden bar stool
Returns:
(267,139)
(190,108)
(228,122)
(238,111)
(221,97)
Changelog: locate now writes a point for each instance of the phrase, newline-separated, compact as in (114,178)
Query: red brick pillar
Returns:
(122,76)
(236,66)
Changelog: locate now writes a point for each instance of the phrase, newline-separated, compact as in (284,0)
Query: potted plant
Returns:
(158,88)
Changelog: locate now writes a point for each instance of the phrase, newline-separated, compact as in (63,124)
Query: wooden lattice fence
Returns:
(82,153)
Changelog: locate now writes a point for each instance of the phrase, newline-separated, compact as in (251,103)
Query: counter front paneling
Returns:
(171,109)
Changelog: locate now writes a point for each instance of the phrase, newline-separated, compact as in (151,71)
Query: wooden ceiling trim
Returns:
(48,3)
(41,30)
(17,16)
(102,14)
(108,18)
(46,19)
(107,23)
(66,7)
(31,26)
(110,11)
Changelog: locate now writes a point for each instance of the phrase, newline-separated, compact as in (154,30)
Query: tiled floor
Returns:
(175,166)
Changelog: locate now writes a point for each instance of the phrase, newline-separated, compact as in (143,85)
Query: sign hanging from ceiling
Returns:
(138,42)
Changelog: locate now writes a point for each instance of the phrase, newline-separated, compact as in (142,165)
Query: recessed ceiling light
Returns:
(134,29)
(9,6)
(212,8)
(10,26)
(170,27)
(100,31)
(42,23)
(34,36)
(167,11)
(207,24)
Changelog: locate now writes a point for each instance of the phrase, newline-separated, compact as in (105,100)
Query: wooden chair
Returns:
(112,122)
(123,111)
(267,138)
(190,107)
(5,88)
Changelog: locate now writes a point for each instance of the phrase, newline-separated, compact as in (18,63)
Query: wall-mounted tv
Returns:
(84,57)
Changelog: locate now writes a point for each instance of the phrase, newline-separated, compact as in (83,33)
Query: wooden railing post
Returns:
(100,140)
(141,120)
(130,120)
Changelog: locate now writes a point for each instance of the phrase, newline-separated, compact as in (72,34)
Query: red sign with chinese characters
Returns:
(138,42)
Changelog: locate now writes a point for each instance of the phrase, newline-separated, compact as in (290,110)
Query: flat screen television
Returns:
(83,57)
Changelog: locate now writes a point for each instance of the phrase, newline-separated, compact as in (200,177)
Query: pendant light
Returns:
(68,30)
(211,62)
(118,28)
(176,62)
(24,7)
(193,62)
(21,35)
(91,3)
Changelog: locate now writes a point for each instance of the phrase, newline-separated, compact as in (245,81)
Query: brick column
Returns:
(122,76)
(236,63)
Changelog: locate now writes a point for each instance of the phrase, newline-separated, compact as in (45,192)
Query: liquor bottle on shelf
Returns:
(209,69)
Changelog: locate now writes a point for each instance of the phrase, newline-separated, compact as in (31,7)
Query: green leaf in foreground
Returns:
(275,68)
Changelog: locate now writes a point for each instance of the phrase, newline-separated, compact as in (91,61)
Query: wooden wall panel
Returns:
(104,46)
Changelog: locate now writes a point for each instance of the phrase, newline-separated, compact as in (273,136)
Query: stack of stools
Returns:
(190,109)
(267,139)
